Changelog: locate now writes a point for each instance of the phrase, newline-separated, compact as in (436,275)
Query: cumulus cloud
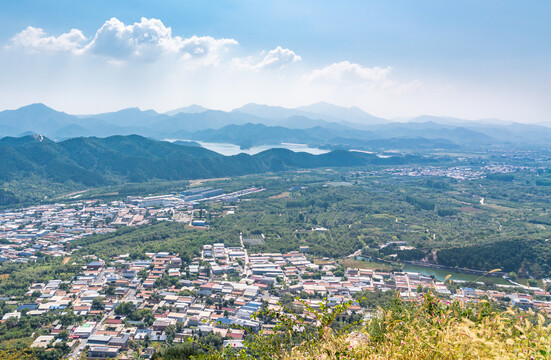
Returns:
(149,39)
(275,58)
(202,46)
(146,40)
(346,72)
(35,39)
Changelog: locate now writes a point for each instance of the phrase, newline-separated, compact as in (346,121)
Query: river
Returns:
(440,275)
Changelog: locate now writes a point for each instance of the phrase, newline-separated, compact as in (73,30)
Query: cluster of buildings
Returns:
(455,172)
(188,198)
(48,229)
(120,309)
(26,234)
(210,194)
(126,306)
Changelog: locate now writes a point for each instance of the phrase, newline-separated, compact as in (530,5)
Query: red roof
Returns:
(235,336)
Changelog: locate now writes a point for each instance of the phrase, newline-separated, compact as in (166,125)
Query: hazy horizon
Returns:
(393,60)
(403,119)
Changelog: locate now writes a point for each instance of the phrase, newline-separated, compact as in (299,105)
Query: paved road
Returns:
(247,267)
(191,217)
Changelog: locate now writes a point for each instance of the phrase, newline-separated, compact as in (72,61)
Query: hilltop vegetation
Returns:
(429,329)
(526,257)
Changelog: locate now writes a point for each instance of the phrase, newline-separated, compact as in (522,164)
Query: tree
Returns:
(125,308)
(64,286)
(170,332)
(63,335)
(97,303)
(11,322)
(142,274)
(110,290)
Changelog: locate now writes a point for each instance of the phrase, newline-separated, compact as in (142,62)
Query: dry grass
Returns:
(358,264)
(283,195)
(430,329)
(198,182)
(509,335)
(322,261)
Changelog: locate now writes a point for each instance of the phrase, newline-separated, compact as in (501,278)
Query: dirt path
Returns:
(198,182)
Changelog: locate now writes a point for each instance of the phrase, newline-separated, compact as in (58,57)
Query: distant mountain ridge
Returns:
(316,124)
(319,111)
(191,109)
(248,135)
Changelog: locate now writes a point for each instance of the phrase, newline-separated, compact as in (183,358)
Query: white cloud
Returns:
(346,72)
(149,39)
(145,40)
(201,45)
(35,39)
(175,70)
(275,58)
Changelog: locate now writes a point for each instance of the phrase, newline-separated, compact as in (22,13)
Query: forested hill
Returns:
(95,161)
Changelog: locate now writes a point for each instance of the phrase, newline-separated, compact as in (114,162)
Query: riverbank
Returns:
(441,274)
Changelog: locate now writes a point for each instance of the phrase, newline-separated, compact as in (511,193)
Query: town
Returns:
(49,229)
(455,172)
(128,306)
(125,307)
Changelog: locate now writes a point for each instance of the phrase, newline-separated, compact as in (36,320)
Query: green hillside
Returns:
(98,161)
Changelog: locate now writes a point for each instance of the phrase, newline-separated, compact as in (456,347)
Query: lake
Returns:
(232,149)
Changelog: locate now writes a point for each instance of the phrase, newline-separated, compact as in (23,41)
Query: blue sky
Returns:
(472,59)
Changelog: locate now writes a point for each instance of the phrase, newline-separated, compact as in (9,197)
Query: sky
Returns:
(393,59)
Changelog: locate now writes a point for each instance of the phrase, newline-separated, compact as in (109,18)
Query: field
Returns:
(359,264)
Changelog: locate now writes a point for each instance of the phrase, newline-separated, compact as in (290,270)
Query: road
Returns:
(191,217)
(355,253)
(409,286)
(246,266)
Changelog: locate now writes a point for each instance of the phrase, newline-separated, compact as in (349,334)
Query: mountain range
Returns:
(92,161)
(322,125)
